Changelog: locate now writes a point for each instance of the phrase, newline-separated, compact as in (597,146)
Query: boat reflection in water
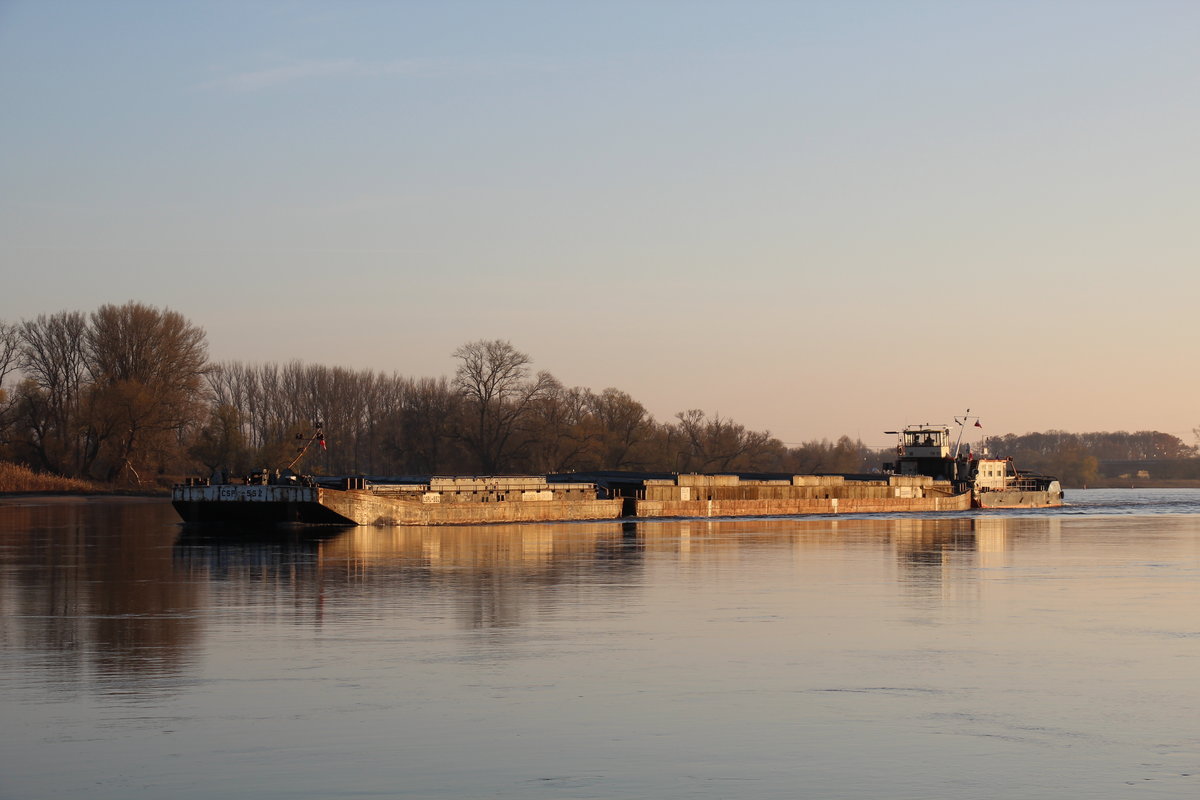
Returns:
(483,570)
(98,590)
(493,572)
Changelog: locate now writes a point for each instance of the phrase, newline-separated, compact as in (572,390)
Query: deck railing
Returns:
(1019,485)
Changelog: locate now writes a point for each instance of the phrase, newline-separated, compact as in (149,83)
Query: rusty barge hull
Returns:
(1019,499)
(474,501)
(300,505)
(255,505)
(282,505)
(787,508)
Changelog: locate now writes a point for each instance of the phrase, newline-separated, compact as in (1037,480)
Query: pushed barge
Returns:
(927,476)
(266,498)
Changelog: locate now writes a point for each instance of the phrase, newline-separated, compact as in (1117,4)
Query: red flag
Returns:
(323,447)
(977,425)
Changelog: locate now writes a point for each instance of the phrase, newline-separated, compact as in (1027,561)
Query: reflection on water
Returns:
(502,573)
(90,589)
(1044,654)
(102,589)
(491,571)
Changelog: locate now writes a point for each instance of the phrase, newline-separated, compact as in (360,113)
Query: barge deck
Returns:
(482,500)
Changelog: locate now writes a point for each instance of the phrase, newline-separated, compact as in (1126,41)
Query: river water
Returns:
(1022,654)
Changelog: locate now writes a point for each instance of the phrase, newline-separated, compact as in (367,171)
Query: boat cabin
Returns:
(924,450)
(992,473)
(924,441)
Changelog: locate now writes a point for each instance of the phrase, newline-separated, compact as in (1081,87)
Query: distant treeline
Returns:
(126,394)
(1080,459)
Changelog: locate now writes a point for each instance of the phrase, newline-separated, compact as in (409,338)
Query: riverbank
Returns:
(20,480)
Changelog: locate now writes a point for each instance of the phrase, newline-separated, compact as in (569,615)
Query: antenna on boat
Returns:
(318,435)
(962,426)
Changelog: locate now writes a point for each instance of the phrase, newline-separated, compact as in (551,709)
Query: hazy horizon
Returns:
(816,219)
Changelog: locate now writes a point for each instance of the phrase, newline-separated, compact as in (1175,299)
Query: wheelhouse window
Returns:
(924,438)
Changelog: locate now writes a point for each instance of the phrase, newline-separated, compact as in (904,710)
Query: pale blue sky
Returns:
(817,218)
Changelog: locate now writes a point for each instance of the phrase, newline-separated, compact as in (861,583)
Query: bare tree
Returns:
(10,352)
(10,355)
(221,444)
(493,379)
(721,444)
(624,426)
(561,434)
(10,349)
(421,438)
(147,368)
(48,402)
(845,455)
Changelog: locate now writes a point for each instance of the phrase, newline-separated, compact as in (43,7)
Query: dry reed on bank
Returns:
(20,478)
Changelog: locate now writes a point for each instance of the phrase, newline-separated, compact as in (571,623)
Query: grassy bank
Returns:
(20,479)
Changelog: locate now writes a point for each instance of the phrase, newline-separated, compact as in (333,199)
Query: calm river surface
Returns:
(1034,654)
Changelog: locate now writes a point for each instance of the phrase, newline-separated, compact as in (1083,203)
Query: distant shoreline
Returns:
(1142,483)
